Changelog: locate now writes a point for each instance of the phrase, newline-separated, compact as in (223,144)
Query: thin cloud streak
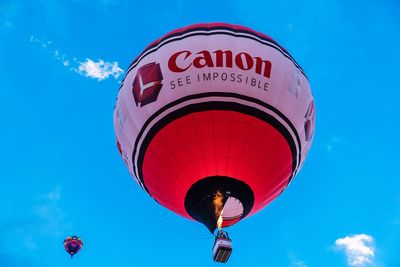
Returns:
(99,70)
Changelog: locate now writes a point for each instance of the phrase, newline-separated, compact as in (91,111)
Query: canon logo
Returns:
(147,84)
(218,58)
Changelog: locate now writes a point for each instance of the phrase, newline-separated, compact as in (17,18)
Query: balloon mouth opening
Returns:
(219,201)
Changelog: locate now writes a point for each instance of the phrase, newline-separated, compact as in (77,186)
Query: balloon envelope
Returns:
(73,245)
(214,121)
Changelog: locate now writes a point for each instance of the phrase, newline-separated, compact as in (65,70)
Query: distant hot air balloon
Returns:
(214,121)
(73,245)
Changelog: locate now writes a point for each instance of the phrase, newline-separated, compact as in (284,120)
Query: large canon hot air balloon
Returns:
(213,121)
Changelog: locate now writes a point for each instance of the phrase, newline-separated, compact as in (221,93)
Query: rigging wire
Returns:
(159,218)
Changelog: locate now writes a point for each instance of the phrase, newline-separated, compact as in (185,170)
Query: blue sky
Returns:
(61,174)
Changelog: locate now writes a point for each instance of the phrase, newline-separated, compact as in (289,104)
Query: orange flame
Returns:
(220,220)
(218,205)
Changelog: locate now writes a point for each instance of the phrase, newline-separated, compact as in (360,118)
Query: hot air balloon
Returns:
(73,245)
(214,121)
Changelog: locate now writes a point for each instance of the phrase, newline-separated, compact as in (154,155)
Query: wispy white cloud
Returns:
(99,69)
(295,261)
(43,43)
(359,249)
(30,244)
(8,14)
(15,260)
(334,141)
(54,195)
(395,221)
(45,217)
(50,214)
(8,24)
(298,263)
(107,3)
(105,6)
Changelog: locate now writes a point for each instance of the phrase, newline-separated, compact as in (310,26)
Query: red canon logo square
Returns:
(147,84)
